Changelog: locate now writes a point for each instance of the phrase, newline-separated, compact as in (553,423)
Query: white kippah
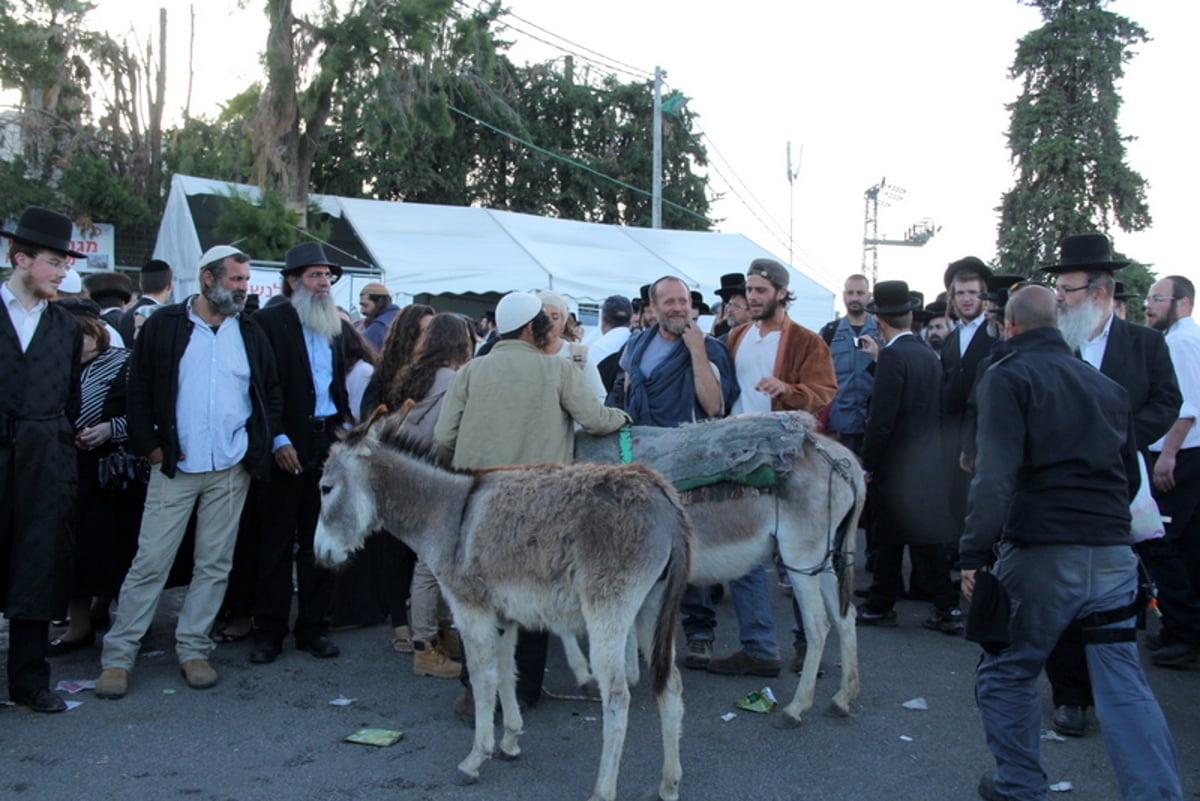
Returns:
(515,310)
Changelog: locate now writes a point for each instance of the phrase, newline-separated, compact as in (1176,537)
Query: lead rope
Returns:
(833,542)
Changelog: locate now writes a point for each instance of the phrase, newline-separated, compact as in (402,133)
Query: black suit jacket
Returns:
(286,335)
(958,372)
(900,446)
(1137,358)
(127,328)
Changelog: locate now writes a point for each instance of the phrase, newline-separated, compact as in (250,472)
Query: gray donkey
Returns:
(598,549)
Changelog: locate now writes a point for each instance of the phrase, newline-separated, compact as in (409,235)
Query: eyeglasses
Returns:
(1066,290)
(54,264)
(1161,299)
(737,306)
(317,275)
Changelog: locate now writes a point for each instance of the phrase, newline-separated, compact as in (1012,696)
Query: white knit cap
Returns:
(217,253)
(515,310)
(72,283)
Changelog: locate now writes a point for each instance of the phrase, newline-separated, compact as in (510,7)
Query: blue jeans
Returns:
(752,603)
(1050,586)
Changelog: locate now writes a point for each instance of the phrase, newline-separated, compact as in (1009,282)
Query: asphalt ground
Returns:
(271,731)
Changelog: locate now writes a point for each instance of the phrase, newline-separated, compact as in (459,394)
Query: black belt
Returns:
(321,424)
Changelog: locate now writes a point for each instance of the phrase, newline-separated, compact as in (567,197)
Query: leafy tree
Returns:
(265,228)
(1064,137)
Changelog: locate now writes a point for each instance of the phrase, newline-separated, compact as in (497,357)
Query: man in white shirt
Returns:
(1174,561)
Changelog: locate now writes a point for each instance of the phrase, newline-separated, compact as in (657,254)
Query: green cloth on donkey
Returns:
(753,449)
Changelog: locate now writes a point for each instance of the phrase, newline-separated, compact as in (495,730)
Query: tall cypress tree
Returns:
(1067,147)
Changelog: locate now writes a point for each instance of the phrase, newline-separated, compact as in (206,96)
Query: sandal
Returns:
(402,643)
(224,635)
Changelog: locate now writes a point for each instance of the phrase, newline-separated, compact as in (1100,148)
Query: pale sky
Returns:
(912,91)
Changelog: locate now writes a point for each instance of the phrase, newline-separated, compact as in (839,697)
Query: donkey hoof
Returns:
(786,720)
(466,777)
(507,757)
(835,711)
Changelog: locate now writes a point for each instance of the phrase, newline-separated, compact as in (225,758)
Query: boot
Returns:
(430,660)
(450,642)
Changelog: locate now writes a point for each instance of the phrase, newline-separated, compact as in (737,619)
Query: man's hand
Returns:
(771,386)
(1164,472)
(869,346)
(966,463)
(288,460)
(155,456)
(968,584)
(693,338)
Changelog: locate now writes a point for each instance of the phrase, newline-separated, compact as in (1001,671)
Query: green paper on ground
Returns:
(380,737)
(762,702)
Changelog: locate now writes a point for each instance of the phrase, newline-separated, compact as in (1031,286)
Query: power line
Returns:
(628,67)
(574,163)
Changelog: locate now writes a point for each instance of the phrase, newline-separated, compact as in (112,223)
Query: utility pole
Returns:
(916,236)
(791,176)
(656,160)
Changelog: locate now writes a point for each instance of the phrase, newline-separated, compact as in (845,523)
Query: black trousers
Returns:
(887,585)
(1174,560)
(28,670)
(288,523)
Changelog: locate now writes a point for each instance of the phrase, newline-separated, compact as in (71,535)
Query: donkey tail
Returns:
(676,573)
(848,533)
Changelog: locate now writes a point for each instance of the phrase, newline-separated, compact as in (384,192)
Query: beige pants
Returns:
(427,609)
(169,503)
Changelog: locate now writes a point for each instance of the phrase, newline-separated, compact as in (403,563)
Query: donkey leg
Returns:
(577,661)
(848,639)
(513,723)
(670,711)
(479,635)
(608,659)
(816,628)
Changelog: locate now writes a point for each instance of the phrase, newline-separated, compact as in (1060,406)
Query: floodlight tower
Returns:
(917,234)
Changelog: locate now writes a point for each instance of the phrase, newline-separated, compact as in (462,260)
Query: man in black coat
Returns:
(155,281)
(305,335)
(1135,357)
(1056,469)
(966,282)
(40,346)
(900,452)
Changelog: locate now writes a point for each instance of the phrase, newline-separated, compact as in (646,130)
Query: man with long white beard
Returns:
(305,336)
(1136,358)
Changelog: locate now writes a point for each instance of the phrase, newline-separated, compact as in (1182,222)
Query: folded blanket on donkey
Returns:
(753,450)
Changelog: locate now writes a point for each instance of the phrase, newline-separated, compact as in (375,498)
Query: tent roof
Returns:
(423,248)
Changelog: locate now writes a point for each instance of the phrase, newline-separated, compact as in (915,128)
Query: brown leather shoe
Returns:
(450,642)
(743,664)
(112,684)
(198,674)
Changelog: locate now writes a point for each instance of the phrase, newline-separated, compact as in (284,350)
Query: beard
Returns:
(768,310)
(227,302)
(1163,322)
(675,324)
(317,314)
(38,291)
(1078,322)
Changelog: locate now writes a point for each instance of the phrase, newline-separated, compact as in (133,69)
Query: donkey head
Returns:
(349,509)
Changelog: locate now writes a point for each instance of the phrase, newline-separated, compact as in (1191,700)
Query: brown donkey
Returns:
(601,550)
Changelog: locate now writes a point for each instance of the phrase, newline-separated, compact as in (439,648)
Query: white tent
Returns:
(421,248)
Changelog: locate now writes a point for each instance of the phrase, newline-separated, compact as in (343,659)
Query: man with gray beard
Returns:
(1136,358)
(204,402)
(305,336)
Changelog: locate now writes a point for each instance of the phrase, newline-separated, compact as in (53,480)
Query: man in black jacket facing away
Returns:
(1055,471)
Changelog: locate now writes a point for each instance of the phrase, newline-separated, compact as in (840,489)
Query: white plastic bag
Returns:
(1147,523)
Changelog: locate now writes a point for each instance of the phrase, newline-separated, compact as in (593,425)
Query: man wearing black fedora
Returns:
(734,308)
(40,345)
(1138,359)
(966,283)
(900,452)
(155,282)
(305,335)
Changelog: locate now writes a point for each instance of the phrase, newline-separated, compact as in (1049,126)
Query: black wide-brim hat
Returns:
(698,303)
(309,254)
(892,297)
(732,284)
(969,265)
(1119,292)
(45,228)
(1082,252)
(999,286)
